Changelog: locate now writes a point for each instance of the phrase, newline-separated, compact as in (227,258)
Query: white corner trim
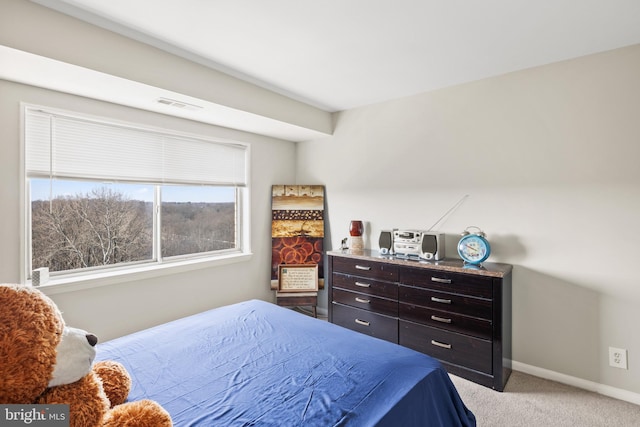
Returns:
(616,393)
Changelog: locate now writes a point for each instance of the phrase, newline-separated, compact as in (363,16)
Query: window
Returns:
(112,195)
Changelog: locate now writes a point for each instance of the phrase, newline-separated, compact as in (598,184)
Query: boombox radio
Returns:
(427,245)
(406,243)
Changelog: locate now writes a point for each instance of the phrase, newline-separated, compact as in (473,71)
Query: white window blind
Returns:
(63,146)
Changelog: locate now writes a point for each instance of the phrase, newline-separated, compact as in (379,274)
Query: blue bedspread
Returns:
(257,364)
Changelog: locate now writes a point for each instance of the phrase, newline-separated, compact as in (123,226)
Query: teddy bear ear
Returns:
(32,327)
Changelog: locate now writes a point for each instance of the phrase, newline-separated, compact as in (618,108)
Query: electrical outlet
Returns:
(618,357)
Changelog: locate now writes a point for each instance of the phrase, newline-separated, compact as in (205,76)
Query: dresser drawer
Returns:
(366,302)
(365,268)
(465,284)
(365,285)
(454,303)
(366,322)
(474,326)
(463,350)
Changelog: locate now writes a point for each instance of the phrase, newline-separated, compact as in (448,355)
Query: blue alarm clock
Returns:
(473,247)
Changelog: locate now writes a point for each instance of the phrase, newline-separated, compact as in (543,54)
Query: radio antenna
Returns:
(449,211)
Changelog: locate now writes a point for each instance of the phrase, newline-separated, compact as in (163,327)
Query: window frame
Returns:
(112,274)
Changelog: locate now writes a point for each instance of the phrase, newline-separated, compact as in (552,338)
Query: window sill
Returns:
(94,280)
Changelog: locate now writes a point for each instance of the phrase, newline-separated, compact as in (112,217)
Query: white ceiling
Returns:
(341,54)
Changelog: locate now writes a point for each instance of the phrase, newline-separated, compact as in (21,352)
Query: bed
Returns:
(258,364)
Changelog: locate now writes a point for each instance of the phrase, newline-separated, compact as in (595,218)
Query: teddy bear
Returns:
(43,361)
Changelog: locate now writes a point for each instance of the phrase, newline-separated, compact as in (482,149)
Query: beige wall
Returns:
(549,159)
(116,309)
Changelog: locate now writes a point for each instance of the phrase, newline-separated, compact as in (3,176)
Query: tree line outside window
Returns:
(106,226)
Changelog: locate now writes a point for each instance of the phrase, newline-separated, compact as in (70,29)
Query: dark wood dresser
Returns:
(460,315)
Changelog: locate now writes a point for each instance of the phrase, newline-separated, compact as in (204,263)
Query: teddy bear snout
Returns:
(93,340)
(75,354)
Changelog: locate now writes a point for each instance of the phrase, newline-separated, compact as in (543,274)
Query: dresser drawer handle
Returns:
(439,280)
(440,319)
(364,301)
(363,285)
(441,300)
(362,322)
(442,345)
(362,267)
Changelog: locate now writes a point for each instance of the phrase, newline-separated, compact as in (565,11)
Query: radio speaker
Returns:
(385,242)
(432,246)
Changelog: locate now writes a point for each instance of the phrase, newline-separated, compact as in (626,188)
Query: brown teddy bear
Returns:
(42,361)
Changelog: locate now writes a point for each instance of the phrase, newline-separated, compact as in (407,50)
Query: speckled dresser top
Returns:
(489,269)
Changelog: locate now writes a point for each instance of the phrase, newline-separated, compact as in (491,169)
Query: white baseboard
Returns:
(616,393)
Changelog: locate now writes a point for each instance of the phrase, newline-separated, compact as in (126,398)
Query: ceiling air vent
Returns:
(178,104)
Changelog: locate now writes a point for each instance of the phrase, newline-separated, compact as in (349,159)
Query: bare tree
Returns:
(87,230)
(197,227)
(104,227)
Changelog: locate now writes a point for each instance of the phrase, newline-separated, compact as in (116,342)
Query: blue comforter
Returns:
(257,364)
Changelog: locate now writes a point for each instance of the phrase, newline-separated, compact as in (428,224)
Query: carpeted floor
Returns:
(531,401)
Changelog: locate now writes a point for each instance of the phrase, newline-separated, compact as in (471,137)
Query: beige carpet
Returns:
(532,401)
